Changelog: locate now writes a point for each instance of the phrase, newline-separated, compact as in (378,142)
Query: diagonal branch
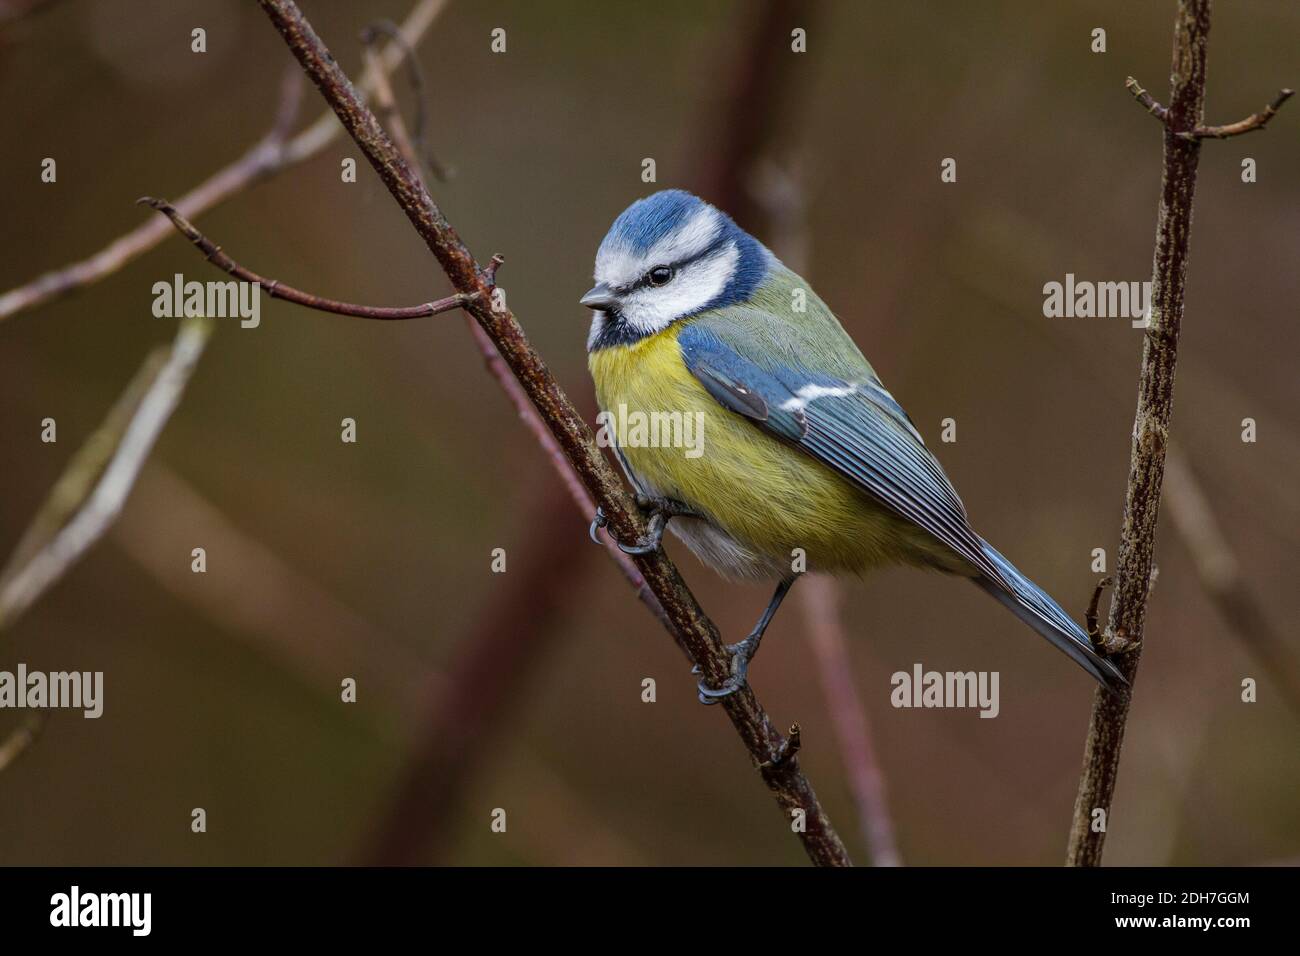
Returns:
(693,629)
(82,506)
(1143,97)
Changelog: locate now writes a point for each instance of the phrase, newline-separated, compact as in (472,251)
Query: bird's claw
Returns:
(740,656)
(653,539)
(597,522)
(657,510)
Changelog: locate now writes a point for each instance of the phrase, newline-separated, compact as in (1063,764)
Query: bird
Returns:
(805,461)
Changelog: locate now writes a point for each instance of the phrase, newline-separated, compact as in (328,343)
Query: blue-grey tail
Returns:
(1027,601)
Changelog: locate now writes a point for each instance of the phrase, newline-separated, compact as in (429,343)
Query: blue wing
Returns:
(855,427)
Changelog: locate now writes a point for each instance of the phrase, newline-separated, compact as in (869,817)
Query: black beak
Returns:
(600,297)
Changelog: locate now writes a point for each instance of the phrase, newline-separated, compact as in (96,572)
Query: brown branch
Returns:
(693,628)
(271,155)
(1253,122)
(1134,562)
(1143,97)
(278,290)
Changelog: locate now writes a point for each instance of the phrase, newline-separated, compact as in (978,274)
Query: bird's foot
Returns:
(658,511)
(741,654)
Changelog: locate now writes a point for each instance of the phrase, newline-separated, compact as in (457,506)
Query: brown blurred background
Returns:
(372,560)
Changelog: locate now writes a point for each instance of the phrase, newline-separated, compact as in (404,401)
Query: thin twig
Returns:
(166,381)
(278,290)
(1253,122)
(1250,123)
(1143,97)
(697,633)
(272,154)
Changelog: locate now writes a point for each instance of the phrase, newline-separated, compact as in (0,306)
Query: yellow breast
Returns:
(765,494)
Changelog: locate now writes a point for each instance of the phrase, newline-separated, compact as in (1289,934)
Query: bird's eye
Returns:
(659,275)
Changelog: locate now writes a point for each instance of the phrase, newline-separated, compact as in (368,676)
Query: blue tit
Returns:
(803,452)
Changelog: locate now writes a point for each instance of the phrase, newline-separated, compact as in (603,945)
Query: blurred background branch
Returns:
(1219,572)
(86,500)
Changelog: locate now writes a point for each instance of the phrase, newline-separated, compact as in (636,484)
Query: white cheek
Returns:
(652,310)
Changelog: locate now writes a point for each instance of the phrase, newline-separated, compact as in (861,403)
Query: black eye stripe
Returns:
(677,267)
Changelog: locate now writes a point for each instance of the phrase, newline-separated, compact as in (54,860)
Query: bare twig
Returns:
(278,290)
(1221,578)
(694,629)
(271,155)
(1135,559)
(1253,122)
(131,437)
(1143,97)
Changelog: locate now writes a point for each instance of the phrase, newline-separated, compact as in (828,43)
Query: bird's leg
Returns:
(744,651)
(658,512)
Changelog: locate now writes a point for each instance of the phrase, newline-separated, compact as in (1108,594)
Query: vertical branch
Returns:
(1150,426)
